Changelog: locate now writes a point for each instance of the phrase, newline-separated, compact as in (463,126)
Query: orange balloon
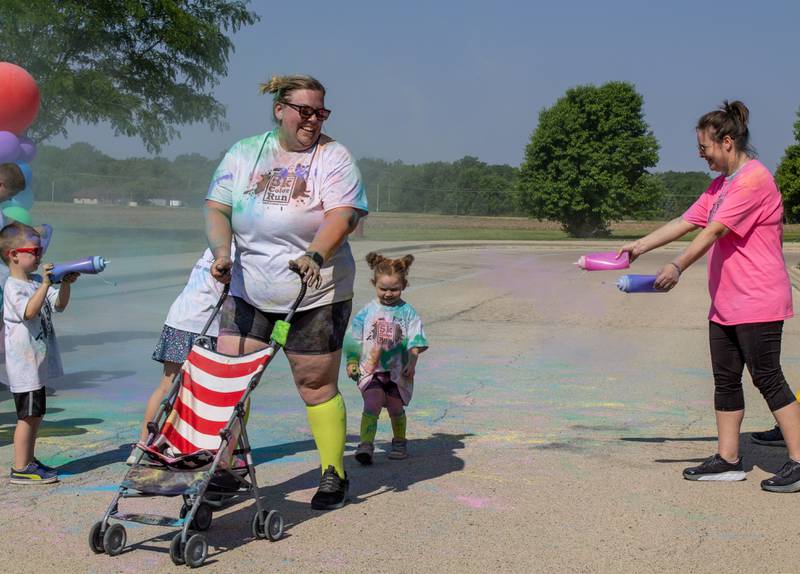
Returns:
(19,98)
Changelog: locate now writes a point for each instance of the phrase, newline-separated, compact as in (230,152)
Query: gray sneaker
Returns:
(787,479)
(399,449)
(33,474)
(364,452)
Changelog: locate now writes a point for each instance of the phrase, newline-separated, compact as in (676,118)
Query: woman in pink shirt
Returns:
(741,216)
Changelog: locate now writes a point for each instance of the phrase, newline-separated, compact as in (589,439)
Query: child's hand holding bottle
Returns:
(353,372)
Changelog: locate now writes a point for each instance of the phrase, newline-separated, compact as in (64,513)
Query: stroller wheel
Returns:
(176,550)
(202,516)
(196,550)
(259,523)
(114,539)
(96,538)
(274,525)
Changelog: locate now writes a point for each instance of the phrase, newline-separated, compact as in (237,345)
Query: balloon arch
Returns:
(19,105)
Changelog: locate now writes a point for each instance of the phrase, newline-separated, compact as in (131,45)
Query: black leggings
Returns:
(757,345)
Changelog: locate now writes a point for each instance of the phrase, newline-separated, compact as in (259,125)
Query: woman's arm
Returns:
(667,233)
(669,275)
(335,228)
(219,235)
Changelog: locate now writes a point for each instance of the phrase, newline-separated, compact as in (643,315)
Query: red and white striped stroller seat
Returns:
(211,386)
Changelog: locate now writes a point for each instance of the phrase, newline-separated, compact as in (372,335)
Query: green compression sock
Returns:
(369,426)
(399,426)
(328,422)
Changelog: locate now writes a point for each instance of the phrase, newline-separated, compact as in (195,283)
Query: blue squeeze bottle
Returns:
(638,284)
(87,265)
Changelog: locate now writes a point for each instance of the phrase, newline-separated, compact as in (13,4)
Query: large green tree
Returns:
(144,66)
(586,164)
(788,177)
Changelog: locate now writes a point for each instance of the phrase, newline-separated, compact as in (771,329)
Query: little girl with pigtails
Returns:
(382,346)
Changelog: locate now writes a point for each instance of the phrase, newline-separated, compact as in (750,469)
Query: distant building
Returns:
(158,202)
(133,204)
(86,200)
(175,203)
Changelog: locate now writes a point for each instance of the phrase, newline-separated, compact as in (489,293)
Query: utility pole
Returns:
(52,191)
(378,207)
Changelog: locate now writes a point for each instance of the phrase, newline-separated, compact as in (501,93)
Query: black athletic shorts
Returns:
(31,403)
(384,382)
(316,331)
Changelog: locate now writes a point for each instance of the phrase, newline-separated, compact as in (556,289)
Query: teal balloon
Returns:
(23,199)
(27,172)
(18,213)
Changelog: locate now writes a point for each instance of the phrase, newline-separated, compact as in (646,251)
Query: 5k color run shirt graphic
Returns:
(380,338)
(278,200)
(747,276)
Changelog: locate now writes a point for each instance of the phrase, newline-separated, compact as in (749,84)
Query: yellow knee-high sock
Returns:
(328,422)
(369,426)
(399,426)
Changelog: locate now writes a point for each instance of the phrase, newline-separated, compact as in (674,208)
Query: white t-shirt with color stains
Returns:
(278,200)
(32,355)
(193,307)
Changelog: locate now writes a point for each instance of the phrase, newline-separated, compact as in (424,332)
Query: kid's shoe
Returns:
(364,452)
(332,492)
(787,479)
(41,465)
(399,449)
(33,474)
(772,437)
(716,468)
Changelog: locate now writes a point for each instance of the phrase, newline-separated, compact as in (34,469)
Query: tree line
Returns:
(467,186)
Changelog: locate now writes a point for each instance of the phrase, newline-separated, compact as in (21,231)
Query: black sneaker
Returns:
(364,452)
(332,492)
(715,468)
(787,479)
(772,437)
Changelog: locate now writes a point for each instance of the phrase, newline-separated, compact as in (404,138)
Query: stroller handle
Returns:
(303,287)
(292,310)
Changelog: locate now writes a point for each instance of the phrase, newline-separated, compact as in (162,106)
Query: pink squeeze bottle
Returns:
(604,261)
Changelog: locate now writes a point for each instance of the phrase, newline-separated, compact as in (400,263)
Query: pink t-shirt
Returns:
(747,276)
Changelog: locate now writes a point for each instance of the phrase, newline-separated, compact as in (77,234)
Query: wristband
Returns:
(676,266)
(315,257)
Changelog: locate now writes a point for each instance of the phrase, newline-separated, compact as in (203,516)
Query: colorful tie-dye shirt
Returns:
(379,339)
(747,277)
(278,201)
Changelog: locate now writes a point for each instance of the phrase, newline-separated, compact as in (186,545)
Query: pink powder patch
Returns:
(473,501)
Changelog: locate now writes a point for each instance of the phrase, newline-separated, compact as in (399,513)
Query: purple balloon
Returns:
(9,147)
(27,149)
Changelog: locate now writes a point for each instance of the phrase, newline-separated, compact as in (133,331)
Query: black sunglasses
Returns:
(307,111)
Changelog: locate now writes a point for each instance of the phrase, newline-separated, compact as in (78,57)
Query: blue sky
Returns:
(425,81)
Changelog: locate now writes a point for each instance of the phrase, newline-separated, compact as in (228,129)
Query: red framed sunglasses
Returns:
(35,251)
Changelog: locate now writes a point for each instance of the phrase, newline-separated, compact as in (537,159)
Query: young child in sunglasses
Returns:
(382,346)
(32,355)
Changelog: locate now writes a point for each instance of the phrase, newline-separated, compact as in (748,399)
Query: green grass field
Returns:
(114,231)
